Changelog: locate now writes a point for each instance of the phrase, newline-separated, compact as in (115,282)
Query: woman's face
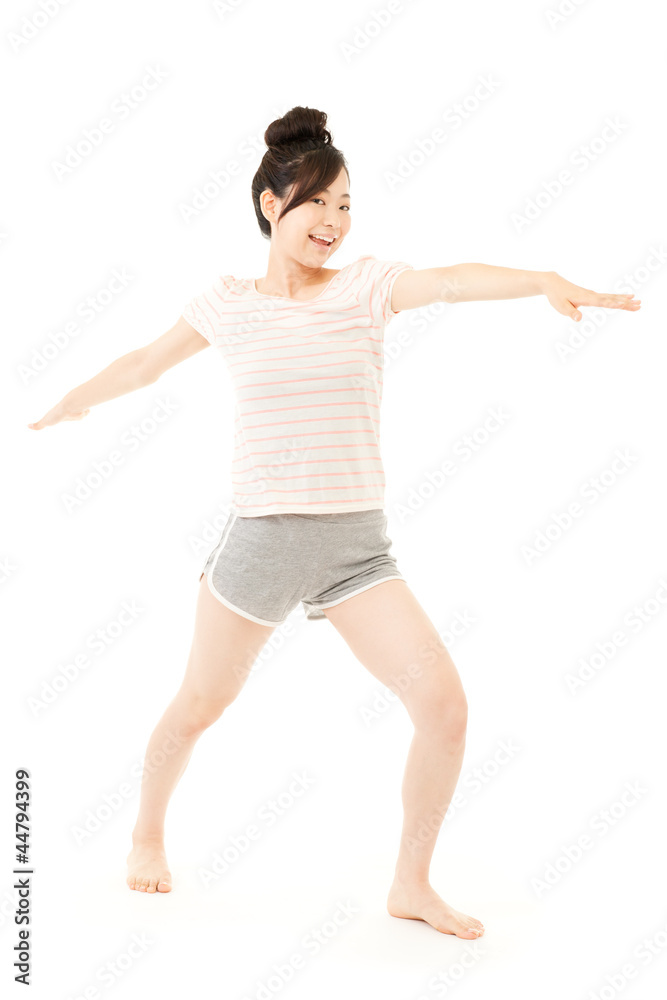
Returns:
(326,214)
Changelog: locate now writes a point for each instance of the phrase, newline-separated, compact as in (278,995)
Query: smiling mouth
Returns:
(321,243)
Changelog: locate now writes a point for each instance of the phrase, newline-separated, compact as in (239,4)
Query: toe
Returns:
(468,927)
(151,885)
(164,886)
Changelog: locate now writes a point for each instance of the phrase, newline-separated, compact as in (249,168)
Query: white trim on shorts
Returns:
(321,607)
(219,597)
(239,611)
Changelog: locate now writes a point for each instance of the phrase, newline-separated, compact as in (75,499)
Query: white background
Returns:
(141,537)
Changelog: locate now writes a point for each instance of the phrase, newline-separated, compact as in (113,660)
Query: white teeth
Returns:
(329,239)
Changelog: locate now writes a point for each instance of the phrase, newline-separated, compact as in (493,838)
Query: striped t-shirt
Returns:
(307,380)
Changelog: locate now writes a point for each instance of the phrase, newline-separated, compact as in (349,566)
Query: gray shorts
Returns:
(262,567)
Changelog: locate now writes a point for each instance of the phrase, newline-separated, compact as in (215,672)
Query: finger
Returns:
(628,302)
(565,307)
(46,421)
(610,300)
(568,308)
(607,300)
(615,301)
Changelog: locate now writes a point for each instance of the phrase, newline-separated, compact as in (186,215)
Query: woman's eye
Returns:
(342,206)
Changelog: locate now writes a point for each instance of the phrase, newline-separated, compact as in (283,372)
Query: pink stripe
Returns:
(312,461)
(312,490)
(302,342)
(236,322)
(282,437)
(299,342)
(316,461)
(297,357)
(310,406)
(307,420)
(304,392)
(371,472)
(314,503)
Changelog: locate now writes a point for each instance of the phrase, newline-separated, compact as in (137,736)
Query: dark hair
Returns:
(300,152)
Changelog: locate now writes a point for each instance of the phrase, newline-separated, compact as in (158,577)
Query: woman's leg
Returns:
(224,647)
(390,634)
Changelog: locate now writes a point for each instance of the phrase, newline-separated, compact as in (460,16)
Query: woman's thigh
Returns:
(225,645)
(392,636)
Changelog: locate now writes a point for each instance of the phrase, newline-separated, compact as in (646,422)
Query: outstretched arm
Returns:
(476,282)
(127,373)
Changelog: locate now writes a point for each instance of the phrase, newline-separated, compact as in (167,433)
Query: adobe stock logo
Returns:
(33,24)
(581,159)
(635,620)
(592,490)
(600,825)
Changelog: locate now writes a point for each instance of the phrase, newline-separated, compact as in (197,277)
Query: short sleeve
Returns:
(380,277)
(203,312)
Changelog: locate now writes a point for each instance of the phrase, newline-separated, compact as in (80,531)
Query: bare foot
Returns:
(147,868)
(421,902)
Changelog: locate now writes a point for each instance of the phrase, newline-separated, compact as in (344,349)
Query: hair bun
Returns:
(296,125)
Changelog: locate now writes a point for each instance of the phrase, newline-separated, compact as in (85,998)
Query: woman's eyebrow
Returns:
(327,191)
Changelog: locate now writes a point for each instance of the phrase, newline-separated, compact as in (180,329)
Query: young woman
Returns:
(304,349)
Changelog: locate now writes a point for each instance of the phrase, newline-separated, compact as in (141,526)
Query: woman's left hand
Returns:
(565,297)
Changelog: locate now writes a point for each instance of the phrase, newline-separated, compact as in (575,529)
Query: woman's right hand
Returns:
(61,411)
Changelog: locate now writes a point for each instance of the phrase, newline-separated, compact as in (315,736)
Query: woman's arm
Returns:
(476,282)
(127,373)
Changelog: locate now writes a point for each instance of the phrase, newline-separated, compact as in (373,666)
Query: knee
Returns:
(444,713)
(196,715)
